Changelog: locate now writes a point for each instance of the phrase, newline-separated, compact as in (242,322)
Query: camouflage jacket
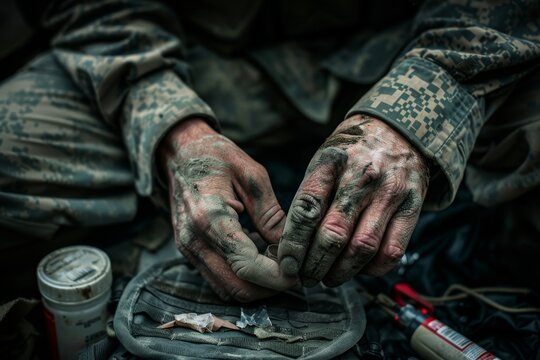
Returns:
(436,76)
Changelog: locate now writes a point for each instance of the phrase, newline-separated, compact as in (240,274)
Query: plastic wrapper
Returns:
(254,317)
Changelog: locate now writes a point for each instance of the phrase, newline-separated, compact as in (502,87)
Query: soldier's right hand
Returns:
(211,181)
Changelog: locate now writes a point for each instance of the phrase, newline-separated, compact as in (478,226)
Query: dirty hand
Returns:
(357,205)
(211,181)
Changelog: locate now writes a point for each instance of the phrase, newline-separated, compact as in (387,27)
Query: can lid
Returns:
(74,274)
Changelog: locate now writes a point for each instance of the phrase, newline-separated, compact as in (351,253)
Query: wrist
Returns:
(179,136)
(188,130)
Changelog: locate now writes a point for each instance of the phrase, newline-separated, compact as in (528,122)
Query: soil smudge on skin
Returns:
(408,203)
(330,156)
(229,245)
(353,130)
(336,141)
(348,199)
(254,188)
(200,168)
(343,137)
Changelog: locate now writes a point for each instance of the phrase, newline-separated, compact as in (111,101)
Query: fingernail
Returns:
(289,265)
(271,252)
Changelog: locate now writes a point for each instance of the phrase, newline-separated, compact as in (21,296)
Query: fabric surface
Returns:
(18,335)
(60,163)
(330,321)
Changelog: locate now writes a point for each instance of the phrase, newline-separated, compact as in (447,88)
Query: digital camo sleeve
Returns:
(126,56)
(439,92)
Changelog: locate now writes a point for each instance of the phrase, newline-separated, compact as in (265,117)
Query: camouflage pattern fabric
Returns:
(79,126)
(60,163)
(441,89)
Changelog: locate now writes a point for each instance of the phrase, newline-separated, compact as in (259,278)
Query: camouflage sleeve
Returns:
(127,57)
(441,90)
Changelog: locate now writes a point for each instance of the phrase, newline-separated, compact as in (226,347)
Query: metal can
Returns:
(75,285)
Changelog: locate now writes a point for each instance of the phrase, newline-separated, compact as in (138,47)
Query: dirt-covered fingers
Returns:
(361,248)
(397,236)
(209,235)
(308,207)
(226,236)
(381,235)
(401,225)
(218,273)
(354,192)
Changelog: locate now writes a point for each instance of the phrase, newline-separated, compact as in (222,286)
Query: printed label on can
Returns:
(471,350)
(50,326)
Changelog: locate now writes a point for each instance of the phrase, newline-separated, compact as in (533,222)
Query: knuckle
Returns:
(272,217)
(394,253)
(371,174)
(261,171)
(334,234)
(332,242)
(394,189)
(306,207)
(410,206)
(330,160)
(411,212)
(365,243)
(335,155)
(199,220)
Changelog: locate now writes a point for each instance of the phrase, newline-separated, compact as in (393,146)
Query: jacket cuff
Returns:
(435,113)
(154,105)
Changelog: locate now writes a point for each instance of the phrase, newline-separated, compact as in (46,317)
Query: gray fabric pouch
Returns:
(324,322)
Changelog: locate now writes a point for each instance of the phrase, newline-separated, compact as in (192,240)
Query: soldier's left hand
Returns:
(357,205)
